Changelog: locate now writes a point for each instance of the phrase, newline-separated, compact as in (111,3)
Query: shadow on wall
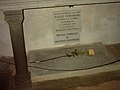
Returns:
(5,80)
(7,73)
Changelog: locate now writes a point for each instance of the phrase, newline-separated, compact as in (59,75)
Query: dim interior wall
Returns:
(5,41)
(99,23)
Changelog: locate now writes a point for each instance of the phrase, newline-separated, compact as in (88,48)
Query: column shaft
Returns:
(15,21)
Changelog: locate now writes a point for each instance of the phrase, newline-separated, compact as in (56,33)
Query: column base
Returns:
(23,82)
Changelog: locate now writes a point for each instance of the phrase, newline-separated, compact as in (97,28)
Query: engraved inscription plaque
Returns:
(66,26)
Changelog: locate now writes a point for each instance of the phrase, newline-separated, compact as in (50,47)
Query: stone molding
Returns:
(28,4)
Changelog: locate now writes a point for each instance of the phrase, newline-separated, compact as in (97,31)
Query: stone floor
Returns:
(104,74)
(111,85)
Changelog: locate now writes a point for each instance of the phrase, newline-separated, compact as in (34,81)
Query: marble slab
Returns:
(61,63)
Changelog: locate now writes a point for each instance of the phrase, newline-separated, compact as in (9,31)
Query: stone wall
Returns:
(99,23)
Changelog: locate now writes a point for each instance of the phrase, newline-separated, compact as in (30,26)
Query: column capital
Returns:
(14,16)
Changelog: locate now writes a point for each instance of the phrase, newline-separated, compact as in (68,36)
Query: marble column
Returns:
(15,20)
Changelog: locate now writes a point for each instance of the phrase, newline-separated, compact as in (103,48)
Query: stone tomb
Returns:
(63,63)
